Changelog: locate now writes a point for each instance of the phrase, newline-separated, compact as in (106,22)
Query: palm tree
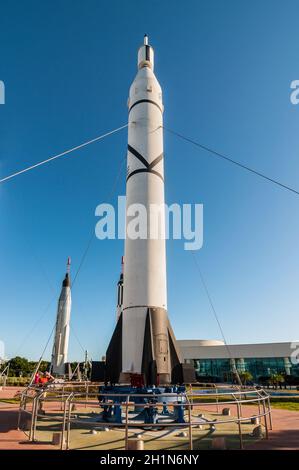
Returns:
(245,377)
(276,379)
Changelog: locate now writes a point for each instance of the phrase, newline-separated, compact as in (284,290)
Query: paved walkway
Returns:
(285,433)
(10,392)
(10,437)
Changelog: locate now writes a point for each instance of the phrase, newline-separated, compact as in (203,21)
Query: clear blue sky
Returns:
(225,68)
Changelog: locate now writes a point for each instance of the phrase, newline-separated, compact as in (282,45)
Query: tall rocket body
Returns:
(148,346)
(62,329)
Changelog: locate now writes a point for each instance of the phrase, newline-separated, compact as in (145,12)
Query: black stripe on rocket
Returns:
(145,101)
(148,166)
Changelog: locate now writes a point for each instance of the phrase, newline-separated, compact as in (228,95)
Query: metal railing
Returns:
(81,394)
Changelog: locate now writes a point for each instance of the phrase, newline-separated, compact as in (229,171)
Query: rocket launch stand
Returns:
(145,401)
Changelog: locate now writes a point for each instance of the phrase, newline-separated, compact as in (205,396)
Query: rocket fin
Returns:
(149,364)
(161,354)
(114,353)
(175,353)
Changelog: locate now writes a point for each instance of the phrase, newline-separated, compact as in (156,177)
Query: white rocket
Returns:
(62,330)
(143,342)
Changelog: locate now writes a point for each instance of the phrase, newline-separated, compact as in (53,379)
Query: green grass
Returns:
(286,405)
(10,400)
(284,400)
(17,381)
(282,403)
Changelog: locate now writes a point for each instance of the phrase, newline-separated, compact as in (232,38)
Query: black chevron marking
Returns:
(148,166)
(145,170)
(138,155)
(156,161)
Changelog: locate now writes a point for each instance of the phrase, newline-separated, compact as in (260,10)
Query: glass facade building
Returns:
(222,369)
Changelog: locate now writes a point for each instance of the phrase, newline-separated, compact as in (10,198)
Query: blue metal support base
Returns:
(147,413)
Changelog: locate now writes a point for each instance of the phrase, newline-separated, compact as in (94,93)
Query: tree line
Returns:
(22,367)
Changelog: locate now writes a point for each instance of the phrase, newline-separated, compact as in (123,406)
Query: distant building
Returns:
(213,359)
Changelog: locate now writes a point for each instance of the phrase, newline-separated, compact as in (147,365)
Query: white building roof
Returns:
(206,349)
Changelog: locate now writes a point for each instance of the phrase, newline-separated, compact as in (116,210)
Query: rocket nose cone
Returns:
(145,54)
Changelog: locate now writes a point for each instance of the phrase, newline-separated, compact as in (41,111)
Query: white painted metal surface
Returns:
(62,330)
(145,259)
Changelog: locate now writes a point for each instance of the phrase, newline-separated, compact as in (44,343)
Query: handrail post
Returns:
(36,414)
(24,394)
(69,421)
(239,421)
(32,417)
(217,401)
(190,426)
(259,406)
(265,417)
(191,394)
(20,410)
(270,413)
(126,426)
(62,395)
(63,424)
(239,426)
(87,392)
